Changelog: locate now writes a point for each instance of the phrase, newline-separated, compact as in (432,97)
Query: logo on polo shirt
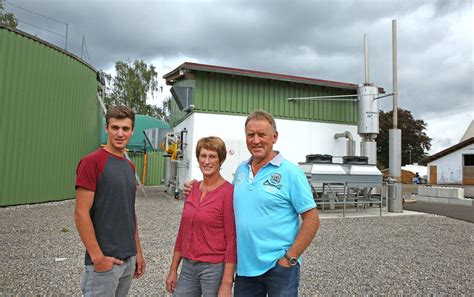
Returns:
(274,181)
(276,178)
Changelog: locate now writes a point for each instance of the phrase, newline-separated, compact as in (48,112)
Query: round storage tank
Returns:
(49,118)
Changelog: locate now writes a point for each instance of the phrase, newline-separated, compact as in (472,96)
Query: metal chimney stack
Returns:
(395,197)
(368,109)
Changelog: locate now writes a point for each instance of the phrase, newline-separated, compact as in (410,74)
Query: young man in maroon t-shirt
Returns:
(105,212)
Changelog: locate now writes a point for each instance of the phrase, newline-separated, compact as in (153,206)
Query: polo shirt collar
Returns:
(276,161)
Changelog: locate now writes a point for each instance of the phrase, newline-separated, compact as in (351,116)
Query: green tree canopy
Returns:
(415,142)
(164,112)
(7,18)
(133,82)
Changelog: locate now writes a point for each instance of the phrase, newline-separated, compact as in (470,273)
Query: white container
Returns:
(368,110)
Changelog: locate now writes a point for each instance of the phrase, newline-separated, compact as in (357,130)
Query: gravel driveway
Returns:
(41,252)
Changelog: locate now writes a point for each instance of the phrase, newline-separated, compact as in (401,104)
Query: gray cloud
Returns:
(322,39)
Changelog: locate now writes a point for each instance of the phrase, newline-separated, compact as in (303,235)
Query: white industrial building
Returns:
(296,140)
(215,100)
(454,165)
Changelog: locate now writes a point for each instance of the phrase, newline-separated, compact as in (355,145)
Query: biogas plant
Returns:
(54,118)
(327,127)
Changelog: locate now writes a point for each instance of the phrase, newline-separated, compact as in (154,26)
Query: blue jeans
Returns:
(278,281)
(199,278)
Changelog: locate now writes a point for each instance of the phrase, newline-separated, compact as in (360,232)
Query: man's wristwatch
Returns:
(291,260)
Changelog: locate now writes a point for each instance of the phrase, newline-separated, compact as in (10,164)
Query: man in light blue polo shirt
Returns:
(270,194)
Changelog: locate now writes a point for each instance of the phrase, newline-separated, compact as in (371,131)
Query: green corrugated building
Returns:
(215,100)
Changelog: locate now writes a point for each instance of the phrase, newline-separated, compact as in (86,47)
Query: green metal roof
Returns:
(181,71)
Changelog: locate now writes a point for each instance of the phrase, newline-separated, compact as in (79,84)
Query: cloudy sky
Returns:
(319,38)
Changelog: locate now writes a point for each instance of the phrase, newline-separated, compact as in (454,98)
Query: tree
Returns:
(415,142)
(7,18)
(133,82)
(163,113)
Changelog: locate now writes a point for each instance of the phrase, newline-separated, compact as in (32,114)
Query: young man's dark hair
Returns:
(120,112)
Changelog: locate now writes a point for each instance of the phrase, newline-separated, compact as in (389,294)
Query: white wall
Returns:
(296,140)
(449,167)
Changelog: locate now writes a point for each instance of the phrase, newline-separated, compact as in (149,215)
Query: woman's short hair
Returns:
(212,143)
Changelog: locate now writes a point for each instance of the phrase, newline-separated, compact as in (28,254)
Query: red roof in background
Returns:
(261,74)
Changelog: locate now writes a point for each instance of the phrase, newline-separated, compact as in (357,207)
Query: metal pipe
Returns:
(67,33)
(144,163)
(82,48)
(350,150)
(345,134)
(324,97)
(366,56)
(395,197)
(336,96)
(395,141)
(394,74)
(380,97)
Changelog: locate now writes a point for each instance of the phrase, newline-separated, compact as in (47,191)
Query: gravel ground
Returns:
(41,253)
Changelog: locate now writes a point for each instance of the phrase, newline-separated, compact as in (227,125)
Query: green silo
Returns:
(49,118)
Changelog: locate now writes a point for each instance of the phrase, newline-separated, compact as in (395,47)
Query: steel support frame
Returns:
(364,199)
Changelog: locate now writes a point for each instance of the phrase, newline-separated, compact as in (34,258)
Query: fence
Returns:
(154,167)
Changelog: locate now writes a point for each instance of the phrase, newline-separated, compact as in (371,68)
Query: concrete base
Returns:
(445,192)
(444,195)
(395,197)
(445,200)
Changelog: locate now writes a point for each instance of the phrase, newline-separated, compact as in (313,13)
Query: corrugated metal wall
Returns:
(154,169)
(240,95)
(49,119)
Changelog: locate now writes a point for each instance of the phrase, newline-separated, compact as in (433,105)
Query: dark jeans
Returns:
(278,281)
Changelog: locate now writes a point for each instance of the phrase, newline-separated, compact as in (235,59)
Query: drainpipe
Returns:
(350,142)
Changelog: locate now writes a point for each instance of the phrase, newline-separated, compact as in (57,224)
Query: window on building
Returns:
(468,160)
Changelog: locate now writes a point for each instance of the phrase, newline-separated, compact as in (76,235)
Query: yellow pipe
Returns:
(144,168)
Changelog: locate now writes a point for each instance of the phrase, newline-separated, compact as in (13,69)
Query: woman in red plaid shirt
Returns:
(206,237)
